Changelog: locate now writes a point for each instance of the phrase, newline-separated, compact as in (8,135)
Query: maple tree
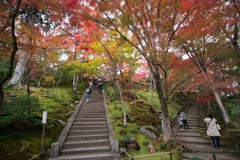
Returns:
(203,42)
(230,23)
(152,26)
(159,31)
(11,46)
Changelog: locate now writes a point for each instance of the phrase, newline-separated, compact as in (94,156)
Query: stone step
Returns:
(92,110)
(192,120)
(70,144)
(86,137)
(204,148)
(88,123)
(189,130)
(192,123)
(193,127)
(192,140)
(89,156)
(90,119)
(218,155)
(188,134)
(91,149)
(96,127)
(87,132)
(100,115)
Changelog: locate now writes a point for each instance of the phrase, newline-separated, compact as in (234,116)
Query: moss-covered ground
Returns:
(23,143)
(141,109)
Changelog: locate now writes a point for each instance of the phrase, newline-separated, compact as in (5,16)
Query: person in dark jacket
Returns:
(88,93)
(100,87)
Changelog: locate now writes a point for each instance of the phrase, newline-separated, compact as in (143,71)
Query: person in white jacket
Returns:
(213,131)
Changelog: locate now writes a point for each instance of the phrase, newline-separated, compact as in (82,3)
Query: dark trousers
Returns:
(185,124)
(215,142)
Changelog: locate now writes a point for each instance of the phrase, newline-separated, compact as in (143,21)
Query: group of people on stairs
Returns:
(91,84)
(182,120)
(213,128)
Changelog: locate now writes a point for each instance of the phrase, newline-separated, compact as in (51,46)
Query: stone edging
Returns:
(113,143)
(56,147)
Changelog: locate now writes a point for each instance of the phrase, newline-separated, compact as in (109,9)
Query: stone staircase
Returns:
(88,135)
(197,146)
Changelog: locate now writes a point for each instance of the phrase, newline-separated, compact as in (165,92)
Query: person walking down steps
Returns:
(212,131)
(180,122)
(184,120)
(88,93)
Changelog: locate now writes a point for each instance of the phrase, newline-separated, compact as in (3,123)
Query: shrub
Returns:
(163,145)
(127,138)
(145,143)
(19,113)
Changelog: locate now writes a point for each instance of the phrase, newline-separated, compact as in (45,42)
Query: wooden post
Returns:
(42,137)
(44,121)
(170,155)
(214,156)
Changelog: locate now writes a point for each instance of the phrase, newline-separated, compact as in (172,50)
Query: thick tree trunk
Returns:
(220,104)
(19,71)
(166,128)
(13,52)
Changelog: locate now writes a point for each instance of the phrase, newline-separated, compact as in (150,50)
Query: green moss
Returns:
(26,144)
(141,111)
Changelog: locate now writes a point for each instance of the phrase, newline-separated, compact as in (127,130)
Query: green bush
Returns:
(163,145)
(127,138)
(233,107)
(20,113)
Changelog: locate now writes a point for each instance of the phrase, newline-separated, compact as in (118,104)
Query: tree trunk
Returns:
(124,106)
(42,77)
(19,71)
(220,104)
(236,36)
(75,83)
(166,128)
(13,52)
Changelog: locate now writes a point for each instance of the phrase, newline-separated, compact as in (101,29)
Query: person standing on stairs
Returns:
(212,131)
(179,118)
(88,93)
(184,120)
(100,87)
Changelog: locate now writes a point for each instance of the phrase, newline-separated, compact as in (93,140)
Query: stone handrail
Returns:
(113,143)
(57,146)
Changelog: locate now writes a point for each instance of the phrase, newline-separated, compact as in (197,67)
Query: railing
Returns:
(214,157)
(171,152)
(156,154)
(36,155)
